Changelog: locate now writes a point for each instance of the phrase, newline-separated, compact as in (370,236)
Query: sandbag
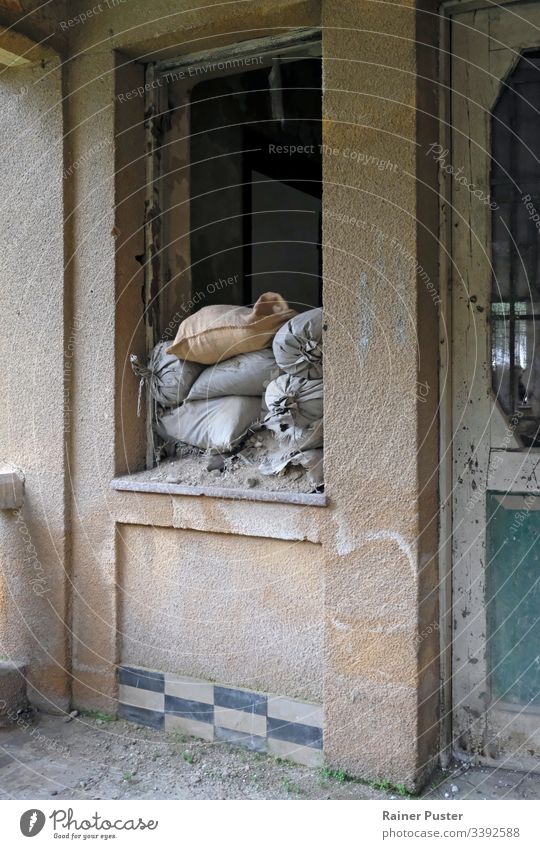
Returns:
(312,461)
(298,345)
(220,332)
(216,424)
(246,374)
(302,438)
(169,378)
(293,401)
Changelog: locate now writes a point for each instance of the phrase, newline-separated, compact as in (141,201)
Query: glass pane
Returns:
(513,598)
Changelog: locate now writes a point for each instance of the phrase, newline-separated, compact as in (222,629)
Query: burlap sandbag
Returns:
(169,378)
(216,424)
(220,332)
(293,402)
(246,374)
(298,345)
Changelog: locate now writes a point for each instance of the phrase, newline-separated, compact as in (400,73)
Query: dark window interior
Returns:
(515,196)
(255,212)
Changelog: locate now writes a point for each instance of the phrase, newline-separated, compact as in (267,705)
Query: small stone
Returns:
(71,715)
(258,444)
(54,792)
(216,462)
(252,482)
(215,473)
(454,788)
(172,479)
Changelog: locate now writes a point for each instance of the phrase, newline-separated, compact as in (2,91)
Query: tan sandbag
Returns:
(219,332)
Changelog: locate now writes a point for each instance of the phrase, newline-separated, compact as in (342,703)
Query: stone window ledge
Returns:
(129,483)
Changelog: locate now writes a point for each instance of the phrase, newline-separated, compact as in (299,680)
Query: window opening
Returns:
(234,191)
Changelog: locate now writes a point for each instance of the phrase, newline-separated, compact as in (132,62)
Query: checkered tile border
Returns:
(280,726)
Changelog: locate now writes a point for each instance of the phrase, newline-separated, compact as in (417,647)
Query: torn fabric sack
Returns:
(302,438)
(220,332)
(246,374)
(293,402)
(216,424)
(169,378)
(312,461)
(298,345)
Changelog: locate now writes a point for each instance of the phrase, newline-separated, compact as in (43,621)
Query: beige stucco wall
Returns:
(229,608)
(36,359)
(372,304)
(374,556)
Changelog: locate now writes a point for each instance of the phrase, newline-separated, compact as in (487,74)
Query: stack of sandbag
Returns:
(223,401)
(223,404)
(295,399)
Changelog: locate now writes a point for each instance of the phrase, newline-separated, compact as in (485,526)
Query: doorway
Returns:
(495,282)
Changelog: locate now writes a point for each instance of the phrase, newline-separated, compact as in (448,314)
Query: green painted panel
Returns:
(513,597)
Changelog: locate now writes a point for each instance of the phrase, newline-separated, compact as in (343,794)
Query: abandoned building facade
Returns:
(157,158)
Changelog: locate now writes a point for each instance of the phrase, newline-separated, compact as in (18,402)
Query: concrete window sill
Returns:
(129,483)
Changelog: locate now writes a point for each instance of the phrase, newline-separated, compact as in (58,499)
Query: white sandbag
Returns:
(293,401)
(246,374)
(169,378)
(312,461)
(214,424)
(298,345)
(303,438)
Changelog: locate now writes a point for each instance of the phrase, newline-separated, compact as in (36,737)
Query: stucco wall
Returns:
(374,578)
(379,561)
(245,611)
(36,359)
(95,78)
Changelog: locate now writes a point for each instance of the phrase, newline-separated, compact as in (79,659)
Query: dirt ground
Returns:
(93,758)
